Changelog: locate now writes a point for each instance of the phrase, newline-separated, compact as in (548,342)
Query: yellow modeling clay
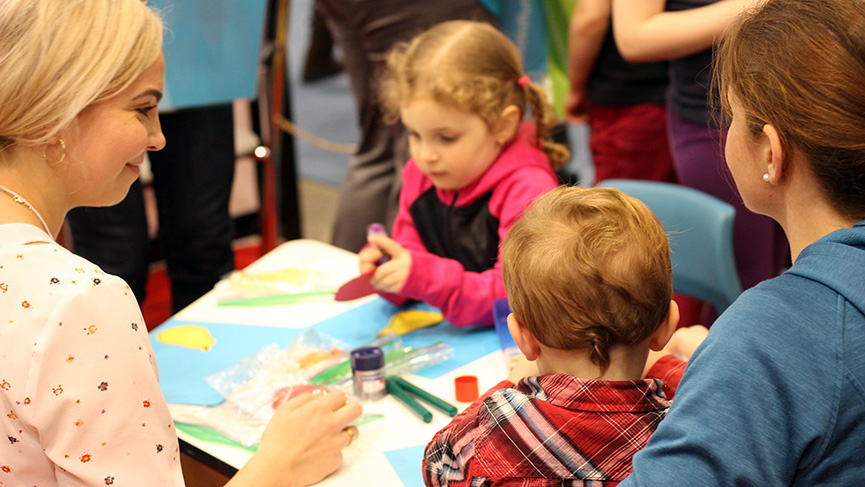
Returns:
(189,336)
(411,320)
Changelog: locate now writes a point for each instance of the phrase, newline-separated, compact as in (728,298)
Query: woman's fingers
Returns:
(352,433)
(298,401)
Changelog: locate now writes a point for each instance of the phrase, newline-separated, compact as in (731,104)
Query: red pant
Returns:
(631,143)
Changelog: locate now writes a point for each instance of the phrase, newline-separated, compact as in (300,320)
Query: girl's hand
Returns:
(303,442)
(391,276)
(367,258)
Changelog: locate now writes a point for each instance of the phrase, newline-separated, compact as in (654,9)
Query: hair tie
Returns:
(523,81)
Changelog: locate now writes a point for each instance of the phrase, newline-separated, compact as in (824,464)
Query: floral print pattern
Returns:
(73,369)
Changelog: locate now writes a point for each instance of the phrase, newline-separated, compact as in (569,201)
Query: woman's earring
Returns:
(62,156)
(766,177)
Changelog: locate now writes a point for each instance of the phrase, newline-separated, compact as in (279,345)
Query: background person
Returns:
(683,32)
(365,31)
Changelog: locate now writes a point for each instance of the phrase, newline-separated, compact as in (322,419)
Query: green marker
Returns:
(406,399)
(435,401)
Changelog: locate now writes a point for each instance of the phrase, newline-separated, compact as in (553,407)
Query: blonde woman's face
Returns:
(106,146)
(452,147)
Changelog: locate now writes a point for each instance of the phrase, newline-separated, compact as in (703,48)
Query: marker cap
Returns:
(466,388)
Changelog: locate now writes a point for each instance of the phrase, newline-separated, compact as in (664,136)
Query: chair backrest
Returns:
(700,229)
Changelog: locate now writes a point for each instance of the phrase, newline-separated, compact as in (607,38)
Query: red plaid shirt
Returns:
(550,430)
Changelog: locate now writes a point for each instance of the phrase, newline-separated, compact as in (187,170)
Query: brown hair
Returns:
(799,65)
(471,66)
(588,268)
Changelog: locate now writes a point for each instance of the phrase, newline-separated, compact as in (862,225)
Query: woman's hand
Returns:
(391,276)
(682,345)
(685,341)
(522,369)
(303,442)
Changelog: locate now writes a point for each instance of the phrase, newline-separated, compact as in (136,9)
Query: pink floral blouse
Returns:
(79,387)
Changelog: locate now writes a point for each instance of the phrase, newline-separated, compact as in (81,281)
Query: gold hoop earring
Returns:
(62,156)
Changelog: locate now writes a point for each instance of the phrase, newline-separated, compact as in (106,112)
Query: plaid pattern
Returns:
(549,430)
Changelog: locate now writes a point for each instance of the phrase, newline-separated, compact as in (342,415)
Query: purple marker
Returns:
(378,229)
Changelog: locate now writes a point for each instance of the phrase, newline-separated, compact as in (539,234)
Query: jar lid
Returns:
(367,358)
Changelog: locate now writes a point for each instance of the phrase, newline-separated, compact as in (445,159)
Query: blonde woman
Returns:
(78,383)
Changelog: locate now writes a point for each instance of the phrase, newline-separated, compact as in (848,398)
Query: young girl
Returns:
(79,390)
(460,91)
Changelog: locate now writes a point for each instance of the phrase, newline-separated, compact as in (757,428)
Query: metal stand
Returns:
(280,208)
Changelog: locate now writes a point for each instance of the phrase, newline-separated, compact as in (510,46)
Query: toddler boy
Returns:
(588,277)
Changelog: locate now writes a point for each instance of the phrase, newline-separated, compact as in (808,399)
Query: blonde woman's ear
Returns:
(507,124)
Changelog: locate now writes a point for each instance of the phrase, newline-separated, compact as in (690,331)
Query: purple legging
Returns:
(759,244)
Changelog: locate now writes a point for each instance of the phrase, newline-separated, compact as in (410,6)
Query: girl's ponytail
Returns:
(545,119)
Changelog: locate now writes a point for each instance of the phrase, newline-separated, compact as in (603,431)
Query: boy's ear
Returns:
(662,335)
(524,339)
(507,124)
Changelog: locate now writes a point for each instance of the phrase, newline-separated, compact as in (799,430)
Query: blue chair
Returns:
(700,229)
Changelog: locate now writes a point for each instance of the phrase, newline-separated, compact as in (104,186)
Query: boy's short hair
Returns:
(588,268)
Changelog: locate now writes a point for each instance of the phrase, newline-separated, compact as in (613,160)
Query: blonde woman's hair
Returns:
(588,268)
(59,56)
(471,66)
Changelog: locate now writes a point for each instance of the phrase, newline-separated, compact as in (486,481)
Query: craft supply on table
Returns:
(356,288)
(424,395)
(361,286)
(512,353)
(466,388)
(367,365)
(402,396)
(303,280)
(408,321)
(398,360)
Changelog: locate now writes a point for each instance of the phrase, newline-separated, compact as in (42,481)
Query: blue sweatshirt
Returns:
(776,394)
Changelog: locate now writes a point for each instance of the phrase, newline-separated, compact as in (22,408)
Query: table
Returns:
(388,451)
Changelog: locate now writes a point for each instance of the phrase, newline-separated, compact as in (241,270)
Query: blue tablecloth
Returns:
(182,370)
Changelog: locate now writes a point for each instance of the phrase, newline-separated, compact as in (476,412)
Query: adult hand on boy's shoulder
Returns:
(682,345)
(685,341)
(522,369)
(391,276)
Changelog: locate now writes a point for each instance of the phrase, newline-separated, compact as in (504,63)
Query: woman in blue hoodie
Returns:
(776,393)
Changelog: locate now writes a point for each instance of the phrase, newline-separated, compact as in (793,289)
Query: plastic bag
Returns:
(301,280)
(255,385)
